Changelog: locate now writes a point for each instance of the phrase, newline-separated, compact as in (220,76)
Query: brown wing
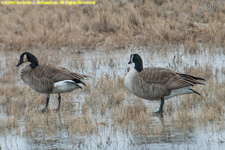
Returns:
(170,79)
(42,85)
(56,74)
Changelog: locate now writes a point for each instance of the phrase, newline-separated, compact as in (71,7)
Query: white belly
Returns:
(181,91)
(64,86)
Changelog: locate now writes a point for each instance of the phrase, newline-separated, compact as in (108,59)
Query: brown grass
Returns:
(67,31)
(113,25)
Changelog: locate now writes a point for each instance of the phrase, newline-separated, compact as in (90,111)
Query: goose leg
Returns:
(160,111)
(59,99)
(46,106)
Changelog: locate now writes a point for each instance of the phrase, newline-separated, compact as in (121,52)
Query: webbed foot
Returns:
(158,113)
(43,110)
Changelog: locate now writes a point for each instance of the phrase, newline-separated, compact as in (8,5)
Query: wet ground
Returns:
(109,136)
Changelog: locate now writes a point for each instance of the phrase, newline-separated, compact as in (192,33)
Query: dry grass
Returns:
(113,25)
(66,30)
(105,102)
(106,99)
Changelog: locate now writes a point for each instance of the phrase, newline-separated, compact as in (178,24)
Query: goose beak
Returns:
(129,62)
(19,63)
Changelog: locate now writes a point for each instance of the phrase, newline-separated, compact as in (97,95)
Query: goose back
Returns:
(56,73)
(154,83)
(43,77)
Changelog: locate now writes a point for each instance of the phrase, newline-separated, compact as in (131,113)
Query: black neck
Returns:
(33,60)
(138,66)
(33,65)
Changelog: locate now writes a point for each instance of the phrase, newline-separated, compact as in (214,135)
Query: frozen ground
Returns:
(115,63)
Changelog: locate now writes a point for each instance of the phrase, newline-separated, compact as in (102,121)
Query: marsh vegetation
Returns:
(114,25)
(185,36)
(104,114)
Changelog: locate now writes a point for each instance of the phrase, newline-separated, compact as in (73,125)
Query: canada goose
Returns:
(157,83)
(48,79)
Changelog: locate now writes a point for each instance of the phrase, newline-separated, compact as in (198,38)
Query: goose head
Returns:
(137,60)
(28,57)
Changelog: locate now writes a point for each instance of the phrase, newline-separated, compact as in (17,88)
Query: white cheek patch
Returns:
(25,59)
(131,59)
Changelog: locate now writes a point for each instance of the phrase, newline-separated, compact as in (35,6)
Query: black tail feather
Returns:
(190,76)
(195,91)
(192,79)
(79,81)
